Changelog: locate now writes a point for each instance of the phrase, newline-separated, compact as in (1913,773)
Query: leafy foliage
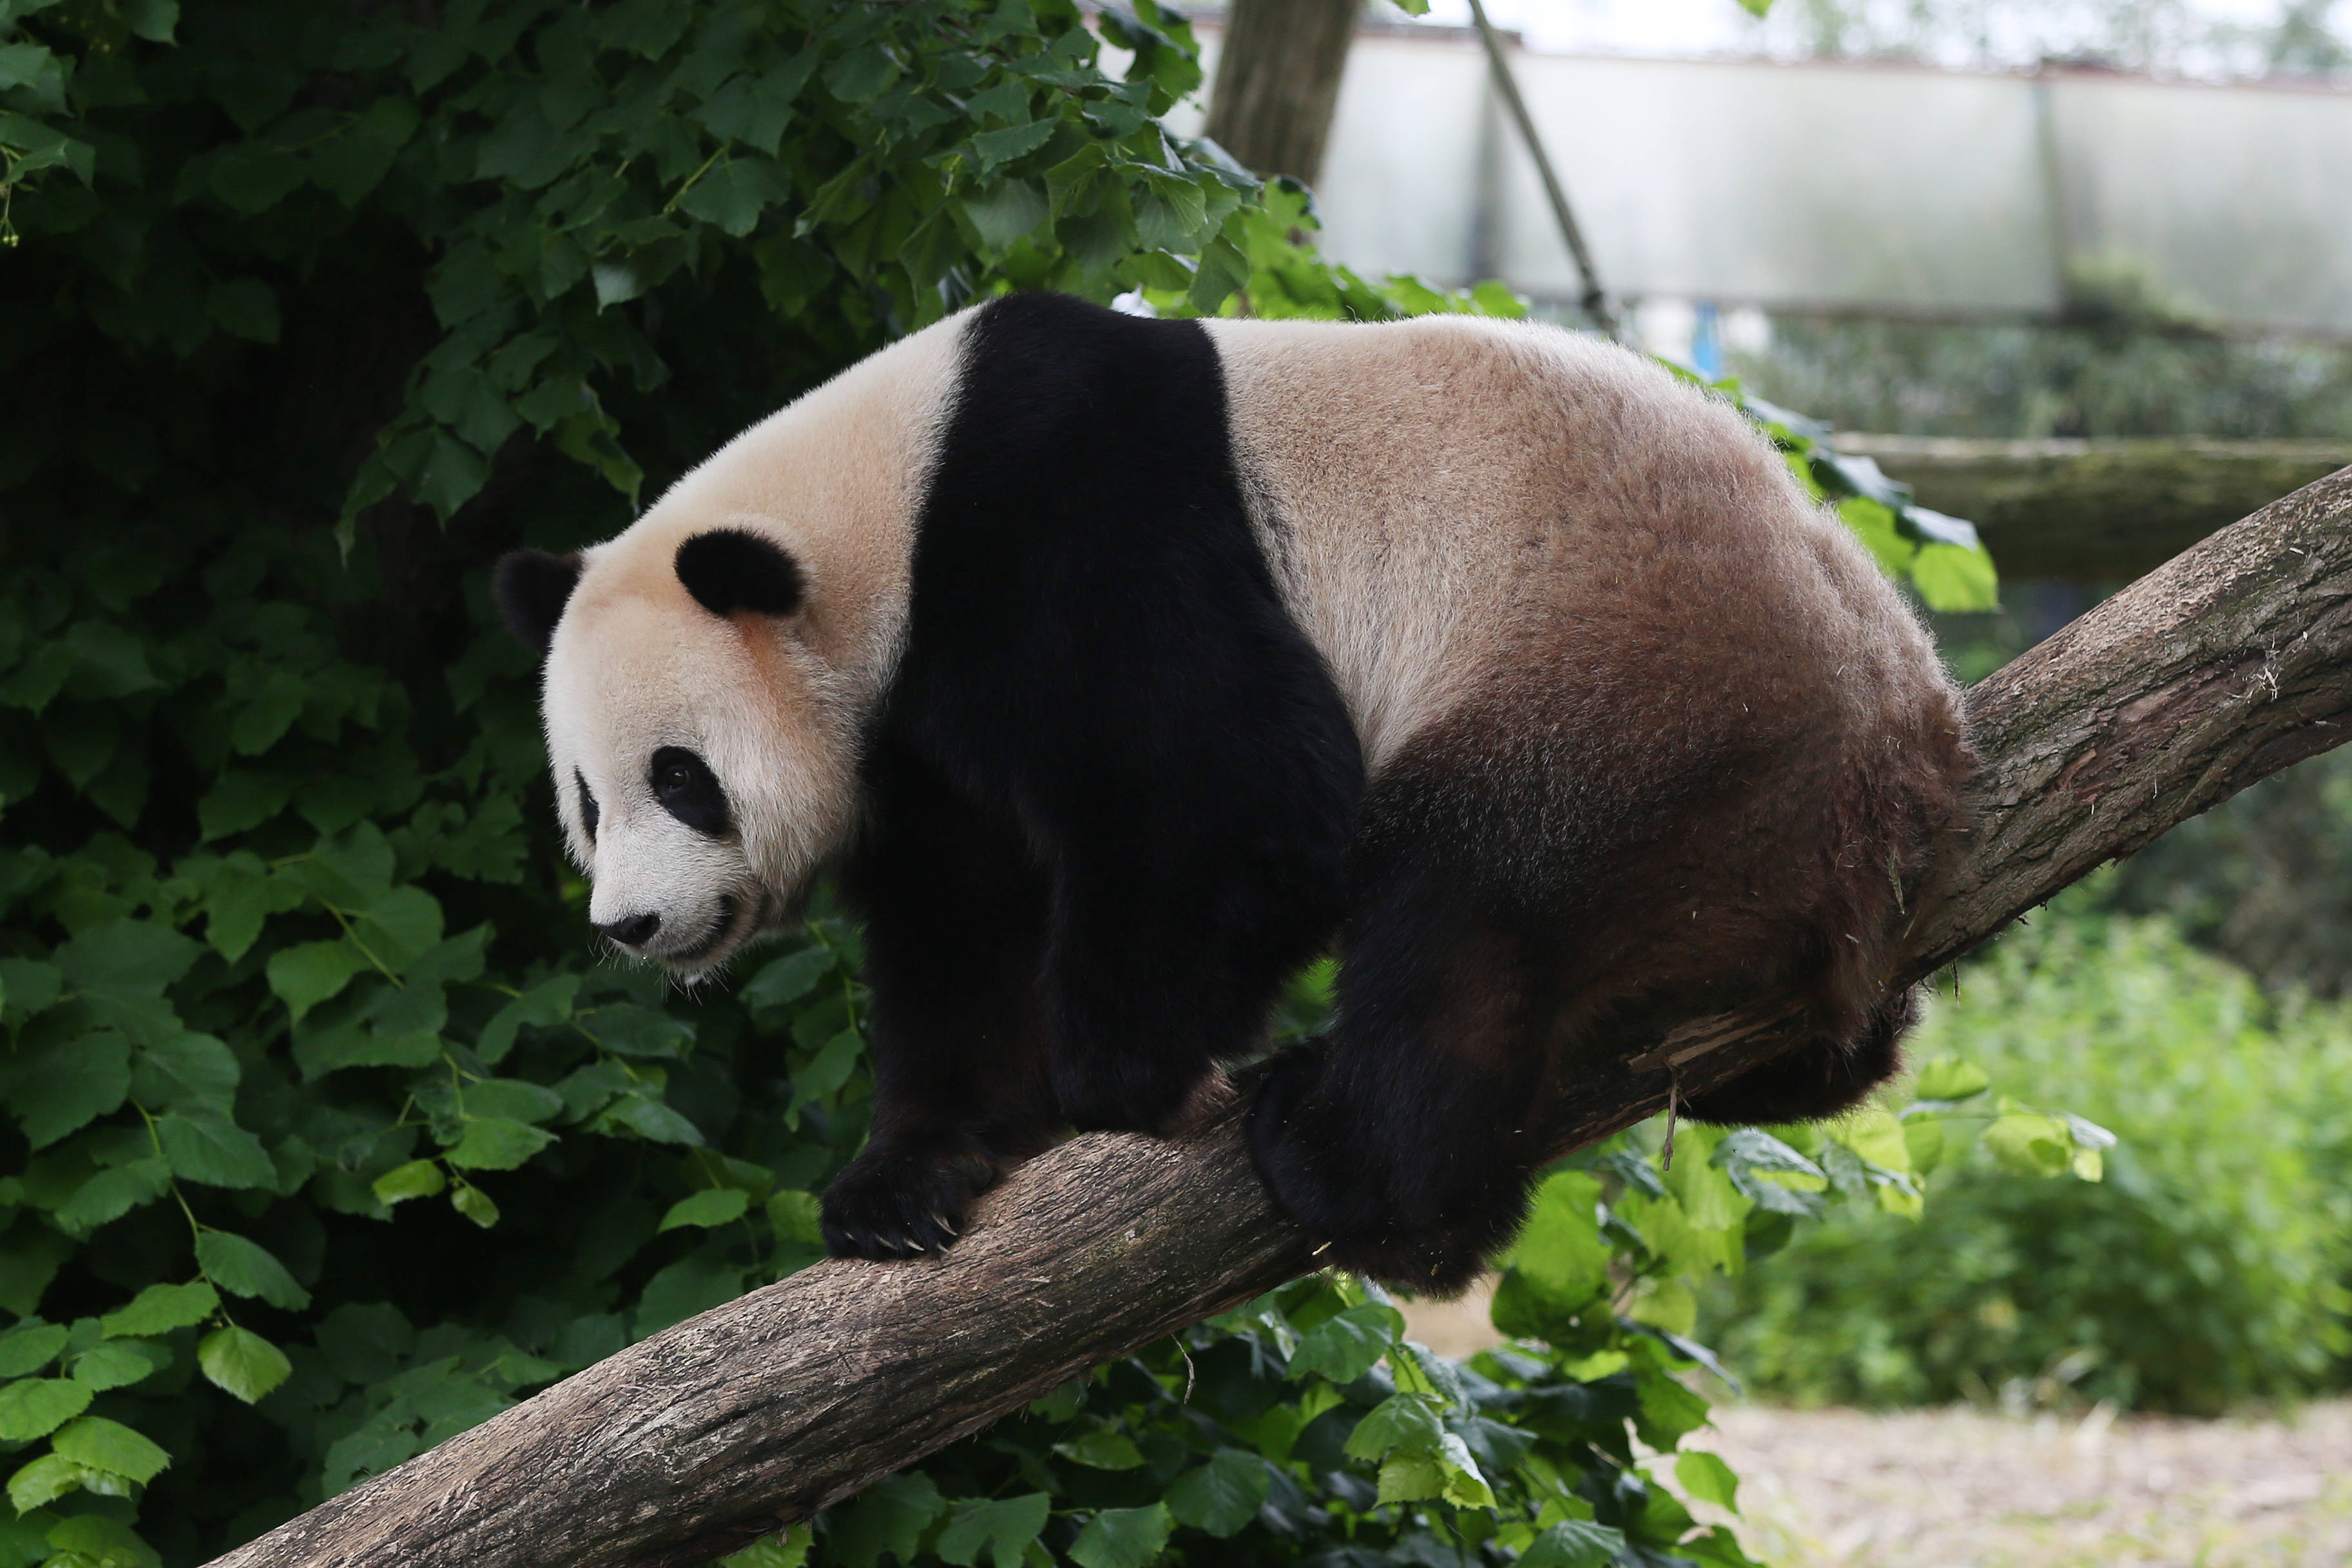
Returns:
(325,1142)
(2208,1270)
(2264,879)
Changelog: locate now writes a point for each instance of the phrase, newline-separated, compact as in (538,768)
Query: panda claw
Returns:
(901,1204)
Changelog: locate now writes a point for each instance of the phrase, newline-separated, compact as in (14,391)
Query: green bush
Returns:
(2207,1270)
(2265,878)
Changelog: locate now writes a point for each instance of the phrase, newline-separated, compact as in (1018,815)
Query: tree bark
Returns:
(2223,667)
(1277,83)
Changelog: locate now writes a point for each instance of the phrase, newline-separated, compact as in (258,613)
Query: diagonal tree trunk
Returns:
(1278,82)
(2224,665)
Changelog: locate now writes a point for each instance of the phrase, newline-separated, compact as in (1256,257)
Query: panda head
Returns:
(703,751)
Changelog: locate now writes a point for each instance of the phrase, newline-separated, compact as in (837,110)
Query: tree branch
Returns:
(2228,664)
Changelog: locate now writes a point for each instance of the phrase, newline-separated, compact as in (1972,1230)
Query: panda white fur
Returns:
(1123,666)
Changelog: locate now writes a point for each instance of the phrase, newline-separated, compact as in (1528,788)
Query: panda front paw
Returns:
(903,1203)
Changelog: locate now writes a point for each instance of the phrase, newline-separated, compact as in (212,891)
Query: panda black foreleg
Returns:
(955,942)
(1152,989)
(1401,1138)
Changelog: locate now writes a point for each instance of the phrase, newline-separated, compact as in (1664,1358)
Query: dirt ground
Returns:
(1962,1489)
(1968,1488)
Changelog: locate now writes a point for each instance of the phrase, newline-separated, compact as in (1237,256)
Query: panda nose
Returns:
(633,930)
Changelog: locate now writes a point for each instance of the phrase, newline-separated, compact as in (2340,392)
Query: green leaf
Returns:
(126,955)
(994,148)
(888,1516)
(349,166)
(1008,214)
(544,1004)
(789,1550)
(716,1206)
(734,194)
(2029,1143)
(64,1087)
(28,1347)
(1953,578)
(1123,1537)
(242,1268)
(1401,1420)
(1874,524)
(185,1069)
(1466,1484)
(1950,1078)
(253,176)
(794,1214)
(1665,1410)
(27,986)
(1345,1347)
(33,1407)
(243,1363)
(94,1540)
(205,1145)
(243,308)
(113,1193)
(1574,1543)
(475,1204)
(648,1119)
(1004,1529)
(119,1364)
(400,926)
(44,1480)
(417,1178)
(497,1143)
(98,1444)
(239,799)
(1222,1496)
(786,980)
(515,1098)
(152,20)
(635,1031)
(1102,1449)
(159,1309)
(1709,1478)
(313,972)
(828,1069)
(1410,1477)
(862,73)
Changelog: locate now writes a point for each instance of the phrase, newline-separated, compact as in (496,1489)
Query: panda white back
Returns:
(1435,496)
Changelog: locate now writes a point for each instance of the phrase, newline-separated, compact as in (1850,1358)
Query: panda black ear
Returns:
(532,588)
(728,570)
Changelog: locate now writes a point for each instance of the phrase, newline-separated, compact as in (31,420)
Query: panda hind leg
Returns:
(1402,1139)
(1820,1078)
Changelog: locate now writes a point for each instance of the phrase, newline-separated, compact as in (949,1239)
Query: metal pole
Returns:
(1595,302)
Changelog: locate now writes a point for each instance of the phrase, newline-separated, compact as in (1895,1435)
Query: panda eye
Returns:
(587,804)
(688,790)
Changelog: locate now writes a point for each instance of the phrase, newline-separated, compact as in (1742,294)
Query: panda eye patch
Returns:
(688,790)
(587,804)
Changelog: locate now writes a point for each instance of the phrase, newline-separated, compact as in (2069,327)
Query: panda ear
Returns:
(728,570)
(532,588)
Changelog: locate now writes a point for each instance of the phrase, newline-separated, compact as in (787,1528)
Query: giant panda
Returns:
(1122,665)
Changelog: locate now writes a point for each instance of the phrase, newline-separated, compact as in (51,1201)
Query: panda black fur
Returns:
(1125,665)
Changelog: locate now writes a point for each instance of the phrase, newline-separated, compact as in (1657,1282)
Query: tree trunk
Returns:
(2096,511)
(2226,664)
(1277,83)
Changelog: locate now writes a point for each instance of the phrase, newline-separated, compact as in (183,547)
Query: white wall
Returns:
(1868,188)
